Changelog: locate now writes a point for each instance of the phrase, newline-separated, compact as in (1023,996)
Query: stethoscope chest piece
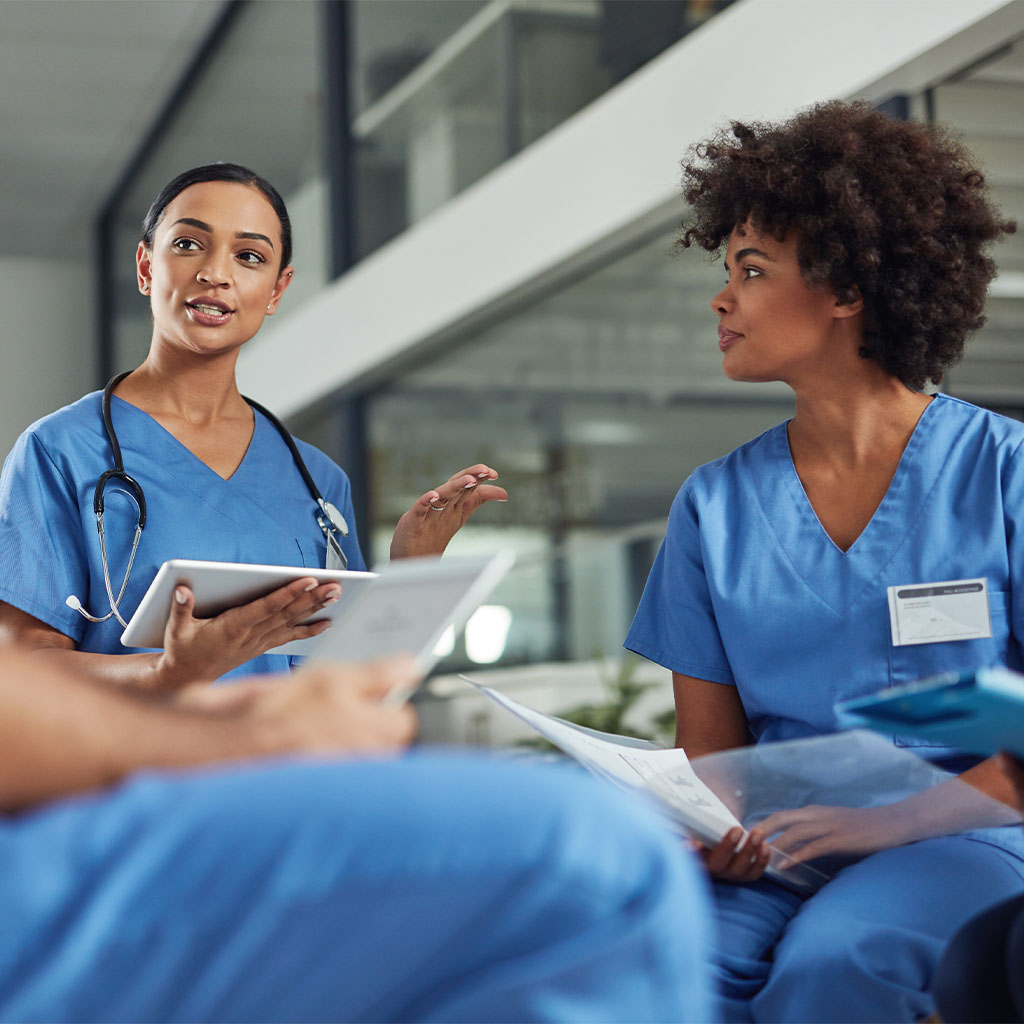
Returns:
(335,524)
(336,518)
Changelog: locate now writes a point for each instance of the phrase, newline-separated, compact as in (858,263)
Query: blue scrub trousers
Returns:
(865,946)
(433,887)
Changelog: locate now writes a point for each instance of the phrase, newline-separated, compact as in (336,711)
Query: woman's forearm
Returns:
(136,672)
(990,778)
(195,649)
(141,672)
(61,733)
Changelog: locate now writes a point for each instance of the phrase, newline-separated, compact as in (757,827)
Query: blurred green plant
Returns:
(622,690)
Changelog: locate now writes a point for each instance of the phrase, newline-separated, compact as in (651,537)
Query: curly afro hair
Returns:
(893,209)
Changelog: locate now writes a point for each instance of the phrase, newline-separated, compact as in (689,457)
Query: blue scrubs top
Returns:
(49,547)
(748,590)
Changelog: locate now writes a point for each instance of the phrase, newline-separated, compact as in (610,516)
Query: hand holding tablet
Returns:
(404,609)
(218,586)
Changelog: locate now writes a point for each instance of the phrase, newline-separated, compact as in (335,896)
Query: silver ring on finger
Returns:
(438,508)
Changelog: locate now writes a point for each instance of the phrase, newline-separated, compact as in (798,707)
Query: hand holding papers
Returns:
(831,799)
(666,775)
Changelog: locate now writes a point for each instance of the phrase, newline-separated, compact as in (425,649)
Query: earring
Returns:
(269,309)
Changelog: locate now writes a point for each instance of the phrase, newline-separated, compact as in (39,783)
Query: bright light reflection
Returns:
(446,644)
(487,632)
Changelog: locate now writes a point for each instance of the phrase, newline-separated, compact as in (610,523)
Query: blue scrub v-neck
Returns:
(749,590)
(49,546)
(155,427)
(843,578)
(178,458)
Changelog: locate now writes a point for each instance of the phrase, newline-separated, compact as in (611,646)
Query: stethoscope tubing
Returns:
(330,520)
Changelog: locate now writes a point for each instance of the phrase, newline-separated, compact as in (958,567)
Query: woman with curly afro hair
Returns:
(857,262)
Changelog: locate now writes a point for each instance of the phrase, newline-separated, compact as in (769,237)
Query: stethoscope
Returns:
(330,520)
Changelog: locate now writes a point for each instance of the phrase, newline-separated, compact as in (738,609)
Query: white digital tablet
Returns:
(407,608)
(219,586)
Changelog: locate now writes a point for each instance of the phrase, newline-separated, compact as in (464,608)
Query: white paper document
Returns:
(665,774)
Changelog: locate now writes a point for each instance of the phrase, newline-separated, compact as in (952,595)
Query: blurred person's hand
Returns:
(805,833)
(325,709)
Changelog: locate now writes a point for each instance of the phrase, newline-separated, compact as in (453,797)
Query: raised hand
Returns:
(438,515)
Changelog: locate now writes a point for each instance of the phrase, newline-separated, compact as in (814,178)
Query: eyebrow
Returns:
(750,251)
(203,226)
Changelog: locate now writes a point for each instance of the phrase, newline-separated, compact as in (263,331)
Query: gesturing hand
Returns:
(438,515)
(203,649)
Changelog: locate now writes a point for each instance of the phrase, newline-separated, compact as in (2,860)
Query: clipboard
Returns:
(407,607)
(219,586)
(979,712)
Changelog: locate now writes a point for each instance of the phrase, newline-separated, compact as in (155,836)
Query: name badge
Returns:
(933,613)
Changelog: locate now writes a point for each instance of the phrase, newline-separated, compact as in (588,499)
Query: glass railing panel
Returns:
(435,112)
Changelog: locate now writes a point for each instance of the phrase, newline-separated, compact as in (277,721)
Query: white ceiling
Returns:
(80,82)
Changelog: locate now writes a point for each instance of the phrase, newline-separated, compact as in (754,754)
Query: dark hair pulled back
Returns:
(220,172)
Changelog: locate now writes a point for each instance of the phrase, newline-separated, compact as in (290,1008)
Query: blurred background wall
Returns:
(484,195)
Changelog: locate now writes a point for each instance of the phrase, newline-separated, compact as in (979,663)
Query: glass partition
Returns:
(446,90)
(984,103)
(593,403)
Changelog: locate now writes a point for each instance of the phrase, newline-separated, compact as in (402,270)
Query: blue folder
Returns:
(979,712)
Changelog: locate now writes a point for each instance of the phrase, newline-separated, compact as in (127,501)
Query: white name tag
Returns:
(932,613)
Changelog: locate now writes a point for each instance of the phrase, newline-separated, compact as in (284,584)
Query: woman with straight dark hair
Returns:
(171,461)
